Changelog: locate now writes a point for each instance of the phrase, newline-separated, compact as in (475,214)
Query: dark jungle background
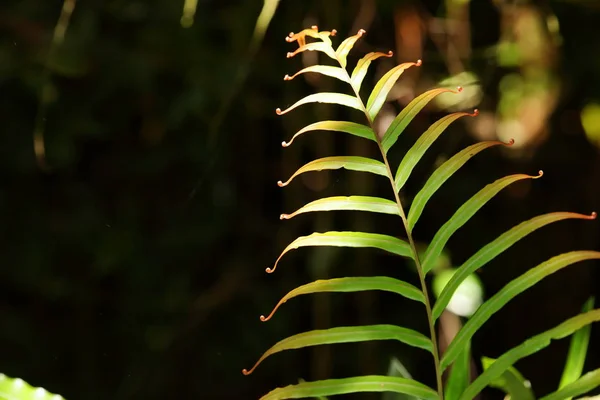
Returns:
(139,205)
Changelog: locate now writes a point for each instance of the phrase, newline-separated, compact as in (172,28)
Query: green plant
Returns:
(17,389)
(459,385)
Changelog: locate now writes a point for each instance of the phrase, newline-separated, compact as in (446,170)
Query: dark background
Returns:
(139,204)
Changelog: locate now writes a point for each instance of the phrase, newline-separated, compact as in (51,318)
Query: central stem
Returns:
(390,175)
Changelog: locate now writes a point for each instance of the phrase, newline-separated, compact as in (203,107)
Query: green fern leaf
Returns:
(407,114)
(577,351)
(460,375)
(370,383)
(361,164)
(352,284)
(352,128)
(463,214)
(510,382)
(587,382)
(17,389)
(382,88)
(527,348)
(360,71)
(417,151)
(327,70)
(442,174)
(345,47)
(357,203)
(325,97)
(348,334)
(509,292)
(496,247)
(349,239)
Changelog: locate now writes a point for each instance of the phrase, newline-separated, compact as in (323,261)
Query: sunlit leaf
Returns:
(509,292)
(315,46)
(352,128)
(407,114)
(349,239)
(348,334)
(412,157)
(496,247)
(379,94)
(345,47)
(577,351)
(360,71)
(353,163)
(352,284)
(17,389)
(510,382)
(587,382)
(325,97)
(441,175)
(357,203)
(460,375)
(372,383)
(328,70)
(464,213)
(527,348)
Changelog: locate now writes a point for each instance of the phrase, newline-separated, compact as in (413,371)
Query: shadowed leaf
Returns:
(460,375)
(463,214)
(509,292)
(493,249)
(527,348)
(357,384)
(510,382)
(416,152)
(407,114)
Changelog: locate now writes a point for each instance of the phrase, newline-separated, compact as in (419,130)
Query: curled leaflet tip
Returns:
(314,28)
(268,317)
(593,215)
(285,144)
(246,372)
(333,32)
(270,270)
(390,53)
(361,32)
(539,175)
(280,184)
(284,216)
(510,142)
(278,111)
(289,55)
(475,113)
(419,62)
(459,89)
(287,77)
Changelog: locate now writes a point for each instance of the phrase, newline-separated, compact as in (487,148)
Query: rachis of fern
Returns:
(458,385)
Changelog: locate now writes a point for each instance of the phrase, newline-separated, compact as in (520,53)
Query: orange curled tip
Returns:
(333,32)
(284,216)
(593,215)
(269,270)
(475,113)
(459,89)
(278,111)
(314,28)
(510,142)
(287,77)
(419,62)
(285,144)
(290,38)
(289,54)
(361,32)
(389,54)
(539,175)
(281,184)
(246,372)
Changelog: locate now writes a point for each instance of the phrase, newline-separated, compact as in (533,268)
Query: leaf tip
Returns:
(419,62)
(278,111)
(287,78)
(510,142)
(281,184)
(284,216)
(285,144)
(333,32)
(263,318)
(270,270)
(593,215)
(246,372)
(475,113)
(459,89)
(539,175)
(361,32)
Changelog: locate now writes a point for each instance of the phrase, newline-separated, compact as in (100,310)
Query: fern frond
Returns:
(352,284)
(509,292)
(325,97)
(352,128)
(327,70)
(587,382)
(464,213)
(384,85)
(349,239)
(527,348)
(347,203)
(510,382)
(417,151)
(344,48)
(496,247)
(408,113)
(348,334)
(360,71)
(357,384)
(352,163)
(442,174)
